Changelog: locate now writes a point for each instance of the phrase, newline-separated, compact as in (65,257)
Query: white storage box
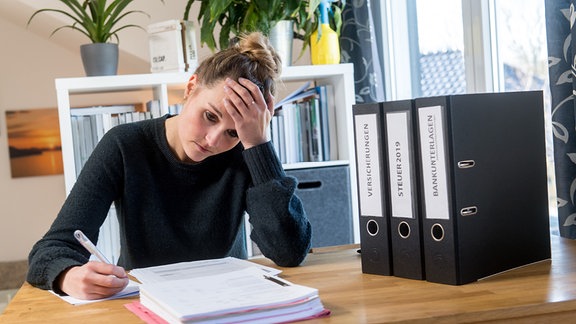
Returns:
(172,46)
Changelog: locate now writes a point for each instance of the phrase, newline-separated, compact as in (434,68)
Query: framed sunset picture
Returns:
(34,142)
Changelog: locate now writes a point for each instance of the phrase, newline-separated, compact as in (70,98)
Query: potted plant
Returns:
(239,16)
(100,22)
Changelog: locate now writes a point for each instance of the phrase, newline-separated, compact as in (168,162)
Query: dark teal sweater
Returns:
(170,211)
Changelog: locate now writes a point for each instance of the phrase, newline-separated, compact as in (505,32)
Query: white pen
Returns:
(86,243)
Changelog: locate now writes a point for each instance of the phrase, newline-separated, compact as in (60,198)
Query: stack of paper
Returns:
(244,294)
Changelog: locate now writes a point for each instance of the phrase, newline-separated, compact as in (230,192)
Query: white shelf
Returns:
(296,72)
(310,165)
(118,83)
(340,76)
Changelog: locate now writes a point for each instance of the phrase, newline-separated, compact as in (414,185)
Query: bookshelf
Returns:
(154,86)
(158,86)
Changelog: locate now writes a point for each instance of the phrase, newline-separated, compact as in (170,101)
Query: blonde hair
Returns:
(252,58)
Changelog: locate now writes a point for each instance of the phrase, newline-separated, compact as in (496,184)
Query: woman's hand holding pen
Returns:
(93,280)
(249,109)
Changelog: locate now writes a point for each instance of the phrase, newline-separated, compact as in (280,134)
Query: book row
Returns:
(91,123)
(303,125)
(454,188)
(302,128)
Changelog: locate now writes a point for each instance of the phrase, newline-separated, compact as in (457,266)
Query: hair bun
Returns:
(258,48)
(252,57)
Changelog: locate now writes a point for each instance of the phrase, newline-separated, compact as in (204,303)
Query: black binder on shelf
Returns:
(483,184)
(371,171)
(402,188)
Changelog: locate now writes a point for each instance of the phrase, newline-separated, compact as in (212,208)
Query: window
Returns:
(446,47)
(521,46)
(440,48)
(463,46)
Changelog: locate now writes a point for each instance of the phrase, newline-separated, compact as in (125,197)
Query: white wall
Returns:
(30,60)
(28,66)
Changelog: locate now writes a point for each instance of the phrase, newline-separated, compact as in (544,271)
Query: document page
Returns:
(131,289)
(196,269)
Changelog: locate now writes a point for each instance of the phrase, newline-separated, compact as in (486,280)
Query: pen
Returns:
(276,280)
(86,243)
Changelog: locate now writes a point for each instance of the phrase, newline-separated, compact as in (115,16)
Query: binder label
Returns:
(367,144)
(433,158)
(397,129)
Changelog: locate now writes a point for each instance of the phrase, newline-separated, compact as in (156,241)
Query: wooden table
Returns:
(544,291)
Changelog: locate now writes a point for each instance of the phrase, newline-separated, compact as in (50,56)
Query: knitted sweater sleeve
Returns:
(280,226)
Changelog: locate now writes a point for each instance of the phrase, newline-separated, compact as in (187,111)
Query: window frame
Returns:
(482,66)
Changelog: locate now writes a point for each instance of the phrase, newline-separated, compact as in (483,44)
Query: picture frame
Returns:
(34,143)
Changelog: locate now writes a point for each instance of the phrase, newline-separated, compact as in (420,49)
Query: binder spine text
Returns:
(367,144)
(433,155)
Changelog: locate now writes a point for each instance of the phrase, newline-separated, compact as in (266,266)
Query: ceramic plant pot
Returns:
(99,58)
(281,37)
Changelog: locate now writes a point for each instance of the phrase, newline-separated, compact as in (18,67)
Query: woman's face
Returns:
(204,126)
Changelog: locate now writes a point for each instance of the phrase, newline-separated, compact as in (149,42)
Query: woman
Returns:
(181,184)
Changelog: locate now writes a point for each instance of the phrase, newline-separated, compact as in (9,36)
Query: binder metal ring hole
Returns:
(468,211)
(372,227)
(404,229)
(437,232)
(466,164)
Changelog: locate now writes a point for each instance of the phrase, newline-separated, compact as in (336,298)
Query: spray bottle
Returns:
(324,43)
